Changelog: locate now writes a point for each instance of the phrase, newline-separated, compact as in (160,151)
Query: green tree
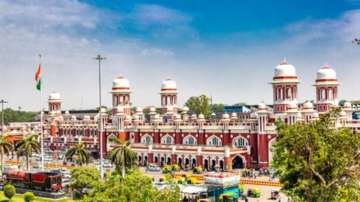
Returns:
(122,156)
(79,153)
(11,115)
(199,105)
(317,162)
(5,148)
(83,179)
(29,196)
(217,108)
(27,146)
(134,187)
(9,191)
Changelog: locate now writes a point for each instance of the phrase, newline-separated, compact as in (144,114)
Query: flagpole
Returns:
(41,126)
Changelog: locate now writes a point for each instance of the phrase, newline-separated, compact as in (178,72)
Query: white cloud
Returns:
(69,33)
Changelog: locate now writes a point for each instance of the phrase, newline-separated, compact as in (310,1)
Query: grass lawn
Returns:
(20,198)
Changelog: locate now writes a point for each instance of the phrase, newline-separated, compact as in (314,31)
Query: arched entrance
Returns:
(168,161)
(221,164)
(187,163)
(145,160)
(156,159)
(206,164)
(237,162)
(162,161)
(213,164)
(193,163)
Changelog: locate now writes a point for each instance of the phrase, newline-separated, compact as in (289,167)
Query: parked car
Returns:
(153,168)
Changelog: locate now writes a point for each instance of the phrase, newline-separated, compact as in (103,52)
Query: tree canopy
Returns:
(11,115)
(201,105)
(134,187)
(84,179)
(318,162)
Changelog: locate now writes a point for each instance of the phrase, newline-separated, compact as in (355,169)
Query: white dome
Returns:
(326,73)
(225,116)
(292,105)
(233,115)
(284,69)
(86,118)
(139,110)
(121,82)
(54,96)
(308,105)
(178,117)
(201,116)
(193,116)
(103,110)
(168,84)
(152,109)
(185,109)
(262,106)
(67,112)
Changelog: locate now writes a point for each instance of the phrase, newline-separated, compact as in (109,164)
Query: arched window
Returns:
(146,139)
(167,139)
(240,142)
(189,140)
(214,141)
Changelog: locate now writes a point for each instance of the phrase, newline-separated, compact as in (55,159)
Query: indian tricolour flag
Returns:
(38,77)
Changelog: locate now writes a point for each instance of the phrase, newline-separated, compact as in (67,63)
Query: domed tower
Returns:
(326,85)
(54,102)
(285,87)
(168,94)
(121,95)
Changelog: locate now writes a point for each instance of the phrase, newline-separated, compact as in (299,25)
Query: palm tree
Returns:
(5,148)
(27,146)
(122,155)
(79,152)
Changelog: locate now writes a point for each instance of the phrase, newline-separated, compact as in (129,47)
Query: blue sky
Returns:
(227,49)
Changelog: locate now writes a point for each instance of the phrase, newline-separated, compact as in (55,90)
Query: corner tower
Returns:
(121,95)
(326,85)
(168,94)
(285,87)
(54,102)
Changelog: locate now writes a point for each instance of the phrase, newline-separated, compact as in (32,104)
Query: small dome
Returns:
(233,114)
(201,116)
(54,96)
(168,84)
(178,117)
(73,118)
(308,105)
(67,112)
(292,105)
(152,109)
(316,115)
(225,116)
(185,109)
(262,106)
(193,116)
(121,82)
(157,116)
(326,73)
(139,110)
(284,69)
(347,104)
(103,110)
(86,118)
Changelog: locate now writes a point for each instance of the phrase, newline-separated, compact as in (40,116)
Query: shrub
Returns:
(29,196)
(175,167)
(241,188)
(4,200)
(9,191)
(198,169)
(254,193)
(166,169)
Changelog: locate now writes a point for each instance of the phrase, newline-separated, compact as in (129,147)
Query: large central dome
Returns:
(121,82)
(168,84)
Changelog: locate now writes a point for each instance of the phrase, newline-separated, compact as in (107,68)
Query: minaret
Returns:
(168,94)
(121,95)
(285,87)
(54,102)
(326,85)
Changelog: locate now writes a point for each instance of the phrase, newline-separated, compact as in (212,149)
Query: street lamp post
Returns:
(99,58)
(2,101)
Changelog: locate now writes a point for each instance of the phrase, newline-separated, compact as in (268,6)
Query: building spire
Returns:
(284,61)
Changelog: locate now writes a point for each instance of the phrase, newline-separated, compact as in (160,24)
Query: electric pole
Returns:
(100,58)
(2,101)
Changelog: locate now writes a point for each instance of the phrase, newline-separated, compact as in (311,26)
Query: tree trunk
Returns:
(27,162)
(123,171)
(2,161)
